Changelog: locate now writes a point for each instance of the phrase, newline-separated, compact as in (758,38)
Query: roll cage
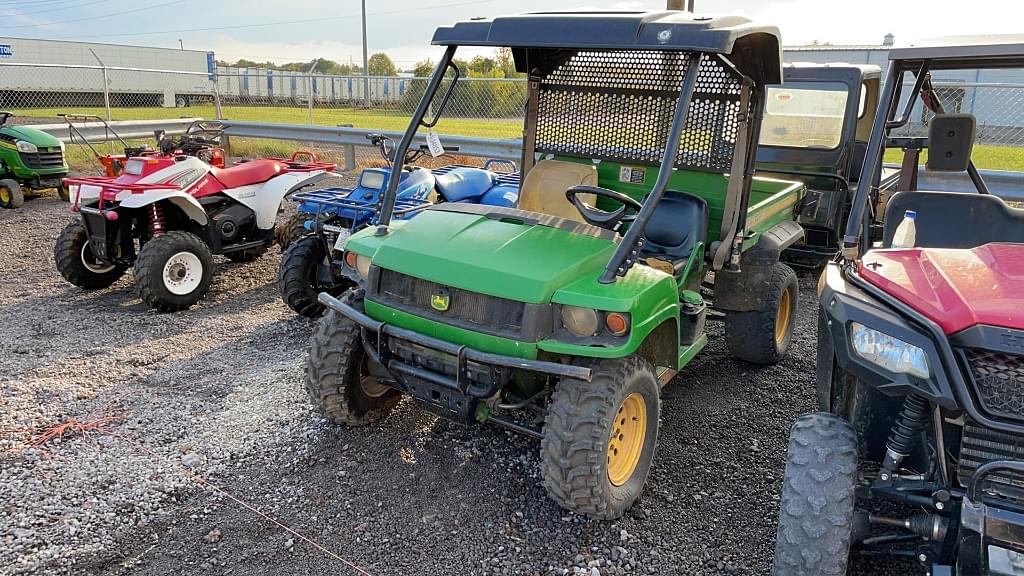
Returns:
(628,86)
(918,62)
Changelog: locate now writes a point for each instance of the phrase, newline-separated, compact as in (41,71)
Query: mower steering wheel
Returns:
(603,218)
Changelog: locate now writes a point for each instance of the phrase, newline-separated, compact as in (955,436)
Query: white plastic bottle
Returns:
(906,232)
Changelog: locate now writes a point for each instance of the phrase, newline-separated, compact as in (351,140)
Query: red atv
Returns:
(167,215)
(918,449)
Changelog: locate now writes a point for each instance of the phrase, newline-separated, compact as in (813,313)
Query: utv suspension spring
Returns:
(905,433)
(156,219)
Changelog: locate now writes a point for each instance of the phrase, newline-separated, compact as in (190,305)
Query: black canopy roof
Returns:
(753,48)
(957,52)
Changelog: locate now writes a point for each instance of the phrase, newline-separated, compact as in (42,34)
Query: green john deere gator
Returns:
(563,318)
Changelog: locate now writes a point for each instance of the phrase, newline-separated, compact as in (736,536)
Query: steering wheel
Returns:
(603,218)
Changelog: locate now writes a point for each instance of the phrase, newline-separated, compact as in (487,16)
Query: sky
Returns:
(281,32)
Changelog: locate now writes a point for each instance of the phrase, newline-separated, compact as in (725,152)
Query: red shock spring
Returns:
(156,219)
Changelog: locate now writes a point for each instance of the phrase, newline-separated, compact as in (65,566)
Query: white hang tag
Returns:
(434,144)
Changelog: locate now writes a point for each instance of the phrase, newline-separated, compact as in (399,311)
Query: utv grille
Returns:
(414,295)
(44,158)
(998,381)
(981,445)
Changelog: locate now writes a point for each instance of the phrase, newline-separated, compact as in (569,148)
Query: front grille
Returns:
(998,382)
(44,158)
(981,445)
(414,294)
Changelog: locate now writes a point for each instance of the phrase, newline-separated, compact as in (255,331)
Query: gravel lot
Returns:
(216,393)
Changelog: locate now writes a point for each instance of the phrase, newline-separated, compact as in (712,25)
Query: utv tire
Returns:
(337,379)
(173,271)
(76,262)
(764,336)
(247,255)
(11,195)
(297,277)
(293,228)
(816,514)
(599,438)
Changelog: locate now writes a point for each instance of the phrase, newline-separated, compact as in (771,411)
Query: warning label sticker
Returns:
(632,174)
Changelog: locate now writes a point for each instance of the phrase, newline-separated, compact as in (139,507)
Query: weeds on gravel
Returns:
(39,437)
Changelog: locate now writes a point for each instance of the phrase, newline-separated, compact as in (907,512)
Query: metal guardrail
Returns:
(1008,185)
(352,137)
(97,132)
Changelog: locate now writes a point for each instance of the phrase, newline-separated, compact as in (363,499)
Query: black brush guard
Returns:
(447,379)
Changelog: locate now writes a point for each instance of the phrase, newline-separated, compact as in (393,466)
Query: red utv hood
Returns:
(954,288)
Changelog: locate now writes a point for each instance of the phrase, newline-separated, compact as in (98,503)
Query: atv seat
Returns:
(253,172)
(954,219)
(680,221)
(464,183)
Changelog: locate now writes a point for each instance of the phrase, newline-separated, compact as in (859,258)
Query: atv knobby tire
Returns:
(11,194)
(817,508)
(577,432)
(247,255)
(293,228)
(752,336)
(76,263)
(164,257)
(297,277)
(336,376)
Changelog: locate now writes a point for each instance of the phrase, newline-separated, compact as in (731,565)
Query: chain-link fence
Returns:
(479,107)
(998,108)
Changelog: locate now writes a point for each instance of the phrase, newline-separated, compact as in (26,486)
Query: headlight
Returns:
(359,263)
(27,146)
(890,353)
(580,321)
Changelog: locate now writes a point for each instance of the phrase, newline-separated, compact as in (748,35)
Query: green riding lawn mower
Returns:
(30,160)
(639,217)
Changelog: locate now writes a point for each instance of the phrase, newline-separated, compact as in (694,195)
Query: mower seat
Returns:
(680,221)
(954,219)
(544,188)
(252,172)
(464,183)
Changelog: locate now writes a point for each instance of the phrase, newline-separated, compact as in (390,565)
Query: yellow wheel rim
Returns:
(626,439)
(782,318)
(5,195)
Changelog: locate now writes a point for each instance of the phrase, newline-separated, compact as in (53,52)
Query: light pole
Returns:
(366,65)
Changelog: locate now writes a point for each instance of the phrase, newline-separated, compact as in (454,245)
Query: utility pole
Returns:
(366,62)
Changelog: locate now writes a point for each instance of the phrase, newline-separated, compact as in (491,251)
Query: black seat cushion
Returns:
(954,219)
(678,223)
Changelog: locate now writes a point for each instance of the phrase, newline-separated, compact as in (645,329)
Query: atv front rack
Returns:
(333,202)
(108,184)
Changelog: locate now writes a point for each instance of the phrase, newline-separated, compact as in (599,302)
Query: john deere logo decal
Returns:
(440,299)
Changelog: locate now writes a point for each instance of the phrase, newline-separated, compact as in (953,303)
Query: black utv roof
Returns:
(753,48)
(958,52)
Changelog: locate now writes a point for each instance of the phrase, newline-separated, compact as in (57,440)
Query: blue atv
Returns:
(329,216)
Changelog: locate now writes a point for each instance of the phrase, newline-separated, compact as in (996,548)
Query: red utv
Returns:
(917,451)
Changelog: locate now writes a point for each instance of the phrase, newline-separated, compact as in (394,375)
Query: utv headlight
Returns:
(890,353)
(359,263)
(26,146)
(580,321)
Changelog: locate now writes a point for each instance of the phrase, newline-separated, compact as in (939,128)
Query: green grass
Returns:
(985,156)
(378,119)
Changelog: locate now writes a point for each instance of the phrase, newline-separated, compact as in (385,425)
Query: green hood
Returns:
(512,260)
(33,135)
